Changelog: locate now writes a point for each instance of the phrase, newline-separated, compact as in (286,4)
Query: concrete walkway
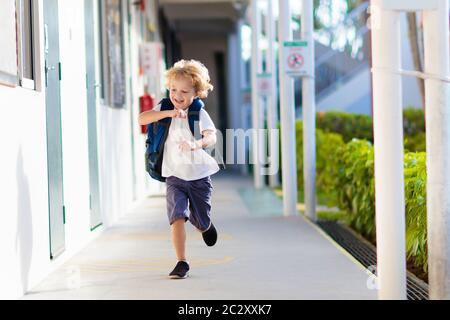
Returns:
(259,255)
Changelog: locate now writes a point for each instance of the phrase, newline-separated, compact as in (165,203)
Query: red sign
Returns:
(295,60)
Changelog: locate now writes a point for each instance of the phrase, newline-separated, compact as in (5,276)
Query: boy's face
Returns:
(182,93)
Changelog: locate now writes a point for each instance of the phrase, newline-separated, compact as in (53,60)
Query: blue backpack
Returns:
(157,134)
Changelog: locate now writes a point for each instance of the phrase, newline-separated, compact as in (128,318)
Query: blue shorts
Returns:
(196,195)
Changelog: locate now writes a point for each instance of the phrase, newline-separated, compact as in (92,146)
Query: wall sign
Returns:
(297,59)
(264,84)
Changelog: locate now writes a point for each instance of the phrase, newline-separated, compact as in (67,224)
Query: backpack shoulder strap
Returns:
(194,117)
(152,128)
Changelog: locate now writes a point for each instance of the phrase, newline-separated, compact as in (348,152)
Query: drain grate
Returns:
(366,254)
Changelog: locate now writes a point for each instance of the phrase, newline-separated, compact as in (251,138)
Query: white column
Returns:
(243,82)
(234,91)
(287,117)
(437,102)
(256,99)
(272,100)
(388,137)
(309,114)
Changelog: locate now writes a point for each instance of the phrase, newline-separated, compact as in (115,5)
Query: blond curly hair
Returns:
(194,70)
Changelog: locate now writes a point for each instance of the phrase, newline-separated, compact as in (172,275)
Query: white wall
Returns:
(23,188)
(348,97)
(25,226)
(24,223)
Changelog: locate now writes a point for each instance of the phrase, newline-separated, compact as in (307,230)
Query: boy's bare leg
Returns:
(179,238)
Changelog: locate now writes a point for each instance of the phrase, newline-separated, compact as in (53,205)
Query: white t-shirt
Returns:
(187,165)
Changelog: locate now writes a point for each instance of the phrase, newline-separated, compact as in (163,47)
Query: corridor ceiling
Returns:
(213,17)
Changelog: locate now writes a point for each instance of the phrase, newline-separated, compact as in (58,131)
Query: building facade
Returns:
(72,159)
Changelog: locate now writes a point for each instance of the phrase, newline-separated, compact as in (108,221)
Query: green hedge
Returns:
(355,186)
(416,208)
(345,178)
(348,125)
(327,145)
(360,126)
(413,121)
(415,143)
(414,129)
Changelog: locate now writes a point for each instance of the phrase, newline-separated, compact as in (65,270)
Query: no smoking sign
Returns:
(297,57)
(264,84)
(295,60)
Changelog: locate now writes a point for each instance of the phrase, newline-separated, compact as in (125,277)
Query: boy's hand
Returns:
(178,113)
(187,145)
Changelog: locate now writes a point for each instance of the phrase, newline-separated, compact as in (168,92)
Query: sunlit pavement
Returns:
(259,255)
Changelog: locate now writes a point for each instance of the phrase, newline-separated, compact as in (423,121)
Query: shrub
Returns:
(355,186)
(345,178)
(416,208)
(327,145)
(299,151)
(348,125)
(413,122)
(415,143)
(360,126)
(327,157)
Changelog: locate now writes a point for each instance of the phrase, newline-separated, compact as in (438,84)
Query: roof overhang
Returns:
(203,17)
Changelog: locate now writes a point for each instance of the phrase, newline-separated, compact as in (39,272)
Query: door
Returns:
(53,120)
(94,198)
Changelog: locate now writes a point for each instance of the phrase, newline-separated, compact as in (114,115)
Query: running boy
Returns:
(186,166)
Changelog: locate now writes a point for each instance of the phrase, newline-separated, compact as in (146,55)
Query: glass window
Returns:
(8,43)
(25,42)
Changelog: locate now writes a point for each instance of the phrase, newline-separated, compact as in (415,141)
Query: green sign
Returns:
(295,44)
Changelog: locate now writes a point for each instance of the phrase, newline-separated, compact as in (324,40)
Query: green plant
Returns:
(360,126)
(355,186)
(349,125)
(299,151)
(331,215)
(415,203)
(413,121)
(415,143)
(327,145)
(345,178)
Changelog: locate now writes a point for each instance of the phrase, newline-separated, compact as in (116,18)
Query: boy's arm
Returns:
(209,139)
(153,116)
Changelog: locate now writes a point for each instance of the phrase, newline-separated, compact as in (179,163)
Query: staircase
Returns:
(342,66)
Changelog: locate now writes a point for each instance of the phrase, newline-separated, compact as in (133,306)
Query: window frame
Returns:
(24,81)
(106,86)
